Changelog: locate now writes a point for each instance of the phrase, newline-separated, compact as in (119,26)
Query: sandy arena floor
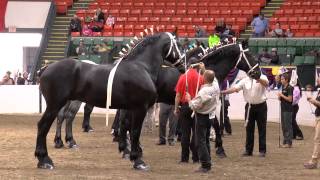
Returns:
(97,156)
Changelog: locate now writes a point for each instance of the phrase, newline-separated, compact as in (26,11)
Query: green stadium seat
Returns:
(291,51)
(95,59)
(253,46)
(282,51)
(260,49)
(76,41)
(317,44)
(281,42)
(290,43)
(300,46)
(310,44)
(97,41)
(309,60)
(272,42)
(262,43)
(88,41)
(84,57)
(298,60)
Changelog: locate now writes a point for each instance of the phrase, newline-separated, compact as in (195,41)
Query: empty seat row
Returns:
(298,12)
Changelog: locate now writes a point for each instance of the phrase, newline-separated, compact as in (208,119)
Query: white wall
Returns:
(11,50)
(25,99)
(26,14)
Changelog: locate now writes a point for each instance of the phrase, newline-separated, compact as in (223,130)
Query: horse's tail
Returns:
(40,71)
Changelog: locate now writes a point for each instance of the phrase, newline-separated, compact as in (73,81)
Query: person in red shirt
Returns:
(182,109)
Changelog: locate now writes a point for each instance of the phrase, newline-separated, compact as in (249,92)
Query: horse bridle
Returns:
(243,56)
(183,57)
(173,44)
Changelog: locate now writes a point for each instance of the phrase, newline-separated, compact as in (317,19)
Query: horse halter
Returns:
(173,44)
(242,54)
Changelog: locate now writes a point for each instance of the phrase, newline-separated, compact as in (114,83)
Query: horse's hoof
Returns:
(126,156)
(58,145)
(88,129)
(45,166)
(72,145)
(221,155)
(141,167)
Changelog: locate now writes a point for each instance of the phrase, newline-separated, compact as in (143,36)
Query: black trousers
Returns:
(203,126)
(224,118)
(295,128)
(187,127)
(258,113)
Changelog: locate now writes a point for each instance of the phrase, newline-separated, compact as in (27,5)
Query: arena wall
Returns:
(25,99)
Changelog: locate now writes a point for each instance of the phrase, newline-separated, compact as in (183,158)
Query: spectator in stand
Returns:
(220,26)
(82,49)
(228,34)
(277,31)
(75,24)
(274,57)
(186,44)
(7,80)
(110,21)
(20,79)
(288,33)
(200,32)
(96,25)
(100,15)
(86,31)
(264,57)
(260,26)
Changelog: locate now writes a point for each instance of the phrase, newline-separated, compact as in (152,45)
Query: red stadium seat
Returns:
(139,27)
(108,34)
(170,28)
(154,20)
(132,20)
(169,12)
(187,20)
(147,12)
(61,7)
(95,34)
(118,33)
(197,21)
(190,29)
(181,13)
(135,12)
(165,20)
(144,20)
(75,34)
(124,12)
(309,34)
(158,12)
(208,21)
(192,12)
(128,34)
(107,28)
(176,20)
(203,13)
(118,27)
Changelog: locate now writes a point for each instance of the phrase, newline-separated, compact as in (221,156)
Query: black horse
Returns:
(220,59)
(68,113)
(134,87)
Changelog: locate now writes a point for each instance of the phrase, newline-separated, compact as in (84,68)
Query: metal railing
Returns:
(44,42)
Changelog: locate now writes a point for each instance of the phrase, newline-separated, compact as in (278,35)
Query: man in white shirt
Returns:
(204,105)
(254,92)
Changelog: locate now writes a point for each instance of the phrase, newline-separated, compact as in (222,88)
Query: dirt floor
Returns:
(97,156)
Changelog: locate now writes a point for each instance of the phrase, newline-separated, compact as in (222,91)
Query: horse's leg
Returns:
(86,118)
(44,125)
(136,151)
(70,114)
(116,126)
(58,143)
(124,127)
(218,143)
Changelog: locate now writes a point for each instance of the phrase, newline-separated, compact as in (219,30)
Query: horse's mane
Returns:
(136,45)
(219,51)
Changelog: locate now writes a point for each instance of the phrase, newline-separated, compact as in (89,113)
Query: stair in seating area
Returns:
(268,11)
(58,38)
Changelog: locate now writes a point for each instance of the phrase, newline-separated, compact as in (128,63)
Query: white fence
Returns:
(25,99)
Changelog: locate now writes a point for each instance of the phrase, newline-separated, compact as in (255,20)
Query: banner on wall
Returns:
(3,7)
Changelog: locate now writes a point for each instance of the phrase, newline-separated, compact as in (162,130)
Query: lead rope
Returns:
(249,108)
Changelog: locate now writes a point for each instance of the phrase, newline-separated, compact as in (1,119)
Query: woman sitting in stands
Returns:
(277,32)
(7,80)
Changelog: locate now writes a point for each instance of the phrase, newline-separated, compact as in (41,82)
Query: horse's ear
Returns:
(245,43)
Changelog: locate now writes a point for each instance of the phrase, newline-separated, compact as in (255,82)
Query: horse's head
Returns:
(247,62)
(223,59)
(171,51)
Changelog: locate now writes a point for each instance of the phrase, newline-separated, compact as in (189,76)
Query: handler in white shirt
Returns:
(254,92)
(204,104)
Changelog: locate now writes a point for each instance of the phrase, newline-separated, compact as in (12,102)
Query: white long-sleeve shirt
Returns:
(205,101)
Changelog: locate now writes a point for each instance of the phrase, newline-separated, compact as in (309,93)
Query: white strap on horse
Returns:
(109,90)
(242,54)
(198,82)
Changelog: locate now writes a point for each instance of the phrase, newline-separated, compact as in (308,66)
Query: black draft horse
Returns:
(220,59)
(134,87)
